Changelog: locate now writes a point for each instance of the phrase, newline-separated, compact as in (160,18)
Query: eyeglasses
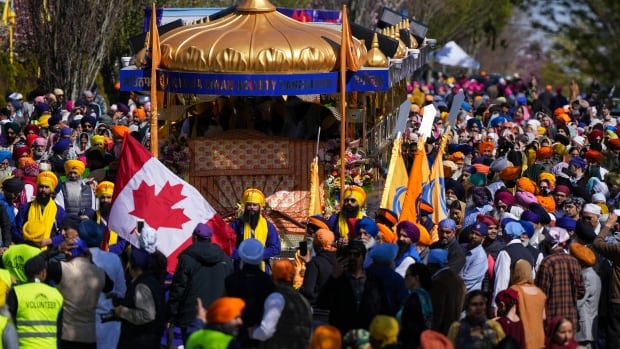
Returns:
(4,163)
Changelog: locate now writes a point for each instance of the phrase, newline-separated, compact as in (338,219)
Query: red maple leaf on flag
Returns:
(156,209)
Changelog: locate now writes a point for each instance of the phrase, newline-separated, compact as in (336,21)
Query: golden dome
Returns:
(254,39)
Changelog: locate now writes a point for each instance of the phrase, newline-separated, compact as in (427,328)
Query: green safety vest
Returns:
(208,339)
(16,256)
(38,306)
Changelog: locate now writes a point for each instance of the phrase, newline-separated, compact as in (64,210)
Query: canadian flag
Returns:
(146,189)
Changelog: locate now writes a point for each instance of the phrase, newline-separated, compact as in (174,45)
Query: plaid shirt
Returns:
(559,277)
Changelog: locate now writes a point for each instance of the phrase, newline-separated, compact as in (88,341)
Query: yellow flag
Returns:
(315,189)
(154,49)
(396,180)
(418,177)
(436,185)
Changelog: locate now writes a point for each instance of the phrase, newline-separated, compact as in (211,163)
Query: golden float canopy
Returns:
(254,39)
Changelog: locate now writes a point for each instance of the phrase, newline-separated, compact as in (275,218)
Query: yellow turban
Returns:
(34,231)
(526,184)
(47,178)
(583,254)
(385,329)
(43,120)
(76,165)
(104,188)
(97,140)
(356,192)
(546,176)
(253,196)
(559,149)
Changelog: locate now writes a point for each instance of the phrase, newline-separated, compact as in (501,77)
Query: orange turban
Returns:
(139,113)
(76,165)
(357,192)
(326,337)
(253,196)
(318,222)
(481,168)
(544,153)
(23,162)
(526,184)
(510,173)
(225,309)
(564,118)
(389,215)
(425,236)
(485,146)
(546,176)
(119,131)
(386,234)
(283,270)
(104,188)
(457,157)
(547,203)
(325,238)
(47,178)
(595,156)
(583,254)
(614,143)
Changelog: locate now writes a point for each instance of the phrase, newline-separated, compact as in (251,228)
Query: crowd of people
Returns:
(527,256)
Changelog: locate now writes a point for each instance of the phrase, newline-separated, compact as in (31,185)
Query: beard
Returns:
(403,245)
(251,217)
(350,212)
(104,208)
(43,198)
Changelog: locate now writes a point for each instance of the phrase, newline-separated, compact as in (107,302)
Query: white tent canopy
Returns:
(453,55)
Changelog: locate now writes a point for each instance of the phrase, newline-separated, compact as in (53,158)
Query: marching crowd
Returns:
(526,258)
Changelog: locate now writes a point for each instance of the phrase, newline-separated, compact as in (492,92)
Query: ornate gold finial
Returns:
(401,52)
(413,40)
(376,58)
(256,6)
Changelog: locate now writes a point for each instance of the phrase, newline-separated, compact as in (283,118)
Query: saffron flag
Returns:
(418,177)
(434,192)
(315,189)
(146,189)
(396,180)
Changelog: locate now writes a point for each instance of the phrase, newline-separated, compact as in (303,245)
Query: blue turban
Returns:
(368,225)
(384,253)
(530,217)
(528,227)
(567,223)
(437,256)
(91,233)
(514,229)
(61,146)
(447,223)
(5,155)
(578,162)
(465,106)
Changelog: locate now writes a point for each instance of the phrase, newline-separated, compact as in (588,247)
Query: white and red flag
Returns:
(146,189)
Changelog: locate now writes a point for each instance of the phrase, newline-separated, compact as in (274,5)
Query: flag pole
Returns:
(343,104)
(155,58)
